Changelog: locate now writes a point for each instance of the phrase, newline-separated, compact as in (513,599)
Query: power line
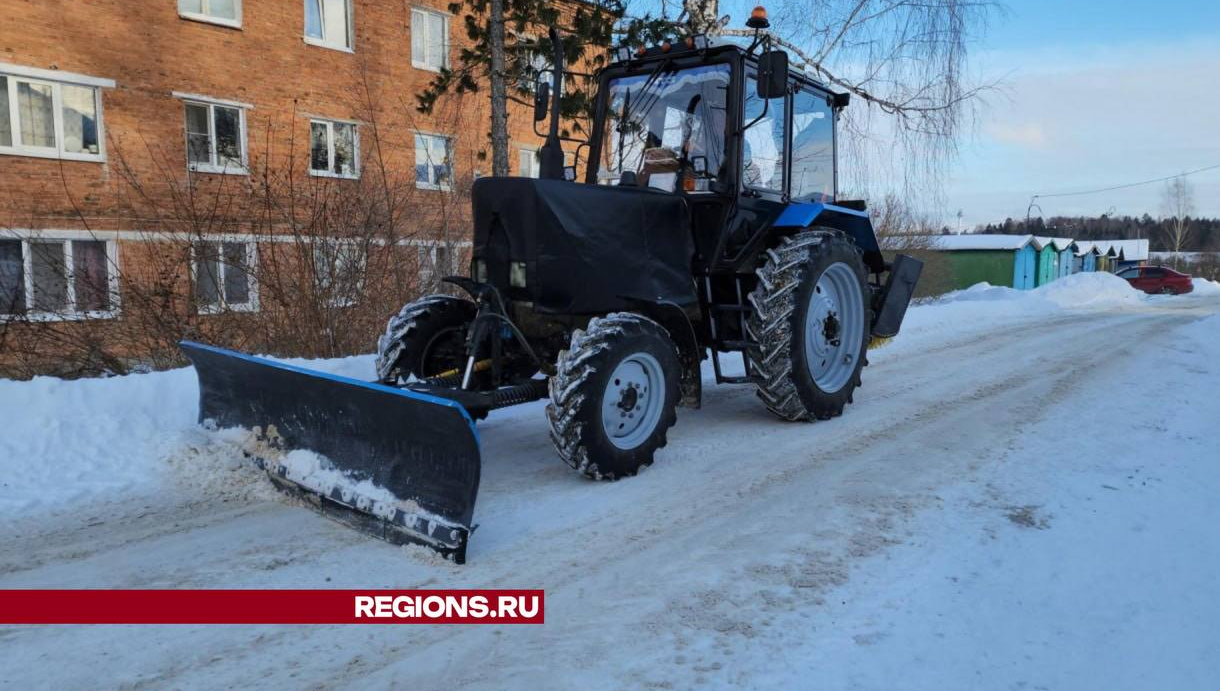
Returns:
(1123,187)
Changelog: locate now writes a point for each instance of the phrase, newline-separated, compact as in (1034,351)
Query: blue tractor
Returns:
(705,222)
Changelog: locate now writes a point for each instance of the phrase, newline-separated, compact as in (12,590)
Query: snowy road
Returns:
(1001,508)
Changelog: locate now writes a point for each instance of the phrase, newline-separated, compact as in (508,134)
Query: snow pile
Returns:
(1093,290)
(97,440)
(88,439)
(1205,287)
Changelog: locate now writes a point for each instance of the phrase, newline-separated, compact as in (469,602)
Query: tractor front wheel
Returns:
(613,396)
(810,325)
(427,337)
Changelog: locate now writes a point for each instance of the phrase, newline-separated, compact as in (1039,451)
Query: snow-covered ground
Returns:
(1022,496)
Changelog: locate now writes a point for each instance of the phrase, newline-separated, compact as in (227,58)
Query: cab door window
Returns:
(762,156)
(813,147)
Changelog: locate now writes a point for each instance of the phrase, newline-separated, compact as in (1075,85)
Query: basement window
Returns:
(51,279)
(334,149)
(433,162)
(339,267)
(222,273)
(46,118)
(429,39)
(328,23)
(215,137)
(223,12)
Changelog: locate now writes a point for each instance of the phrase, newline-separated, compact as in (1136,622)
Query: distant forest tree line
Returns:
(1203,234)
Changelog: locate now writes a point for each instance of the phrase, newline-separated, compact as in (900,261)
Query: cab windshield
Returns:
(666,124)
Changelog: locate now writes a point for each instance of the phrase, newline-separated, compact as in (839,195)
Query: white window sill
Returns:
(426,67)
(52,154)
(43,317)
(337,176)
(217,170)
(431,186)
(225,307)
(323,44)
(205,19)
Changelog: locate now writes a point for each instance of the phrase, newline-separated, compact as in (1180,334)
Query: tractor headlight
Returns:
(479,271)
(516,274)
(623,53)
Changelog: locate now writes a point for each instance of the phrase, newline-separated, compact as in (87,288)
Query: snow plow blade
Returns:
(421,450)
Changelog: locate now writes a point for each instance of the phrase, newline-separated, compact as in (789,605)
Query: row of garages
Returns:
(1028,261)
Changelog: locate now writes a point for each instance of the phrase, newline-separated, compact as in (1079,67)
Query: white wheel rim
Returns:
(632,401)
(834,327)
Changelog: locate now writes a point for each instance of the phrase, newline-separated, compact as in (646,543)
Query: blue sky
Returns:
(1093,94)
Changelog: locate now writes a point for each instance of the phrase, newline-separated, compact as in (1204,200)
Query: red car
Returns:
(1157,279)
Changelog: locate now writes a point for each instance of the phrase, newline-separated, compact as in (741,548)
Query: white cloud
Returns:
(1030,135)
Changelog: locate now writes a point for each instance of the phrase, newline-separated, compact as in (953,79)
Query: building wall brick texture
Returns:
(151,52)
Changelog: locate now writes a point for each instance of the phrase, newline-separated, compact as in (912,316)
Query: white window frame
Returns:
(330,148)
(350,46)
(69,312)
(222,304)
(56,80)
(445,45)
(429,185)
(362,257)
(535,165)
(210,104)
(211,19)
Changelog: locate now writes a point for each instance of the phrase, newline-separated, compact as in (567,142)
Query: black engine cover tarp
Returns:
(588,249)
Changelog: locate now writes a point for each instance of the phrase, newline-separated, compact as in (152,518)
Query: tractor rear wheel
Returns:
(614,395)
(810,325)
(427,337)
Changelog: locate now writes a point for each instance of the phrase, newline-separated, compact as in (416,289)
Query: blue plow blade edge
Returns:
(422,449)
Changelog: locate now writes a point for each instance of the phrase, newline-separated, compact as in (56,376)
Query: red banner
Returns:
(271,607)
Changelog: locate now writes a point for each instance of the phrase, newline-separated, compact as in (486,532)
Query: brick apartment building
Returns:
(251,172)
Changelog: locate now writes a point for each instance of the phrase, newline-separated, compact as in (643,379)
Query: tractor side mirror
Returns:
(698,164)
(772,74)
(542,99)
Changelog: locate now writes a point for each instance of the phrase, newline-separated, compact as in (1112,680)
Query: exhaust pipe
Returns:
(551,155)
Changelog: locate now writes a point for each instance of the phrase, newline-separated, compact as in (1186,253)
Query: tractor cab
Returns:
(735,133)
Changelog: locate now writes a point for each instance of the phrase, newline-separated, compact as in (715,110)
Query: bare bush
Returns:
(901,229)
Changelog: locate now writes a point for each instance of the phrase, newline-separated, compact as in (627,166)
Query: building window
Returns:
(436,262)
(225,12)
(531,167)
(339,267)
(48,278)
(429,40)
(433,162)
(328,23)
(223,275)
(50,119)
(215,137)
(334,149)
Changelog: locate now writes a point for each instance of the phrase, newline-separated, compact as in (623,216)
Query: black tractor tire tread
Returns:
(576,368)
(405,332)
(769,327)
